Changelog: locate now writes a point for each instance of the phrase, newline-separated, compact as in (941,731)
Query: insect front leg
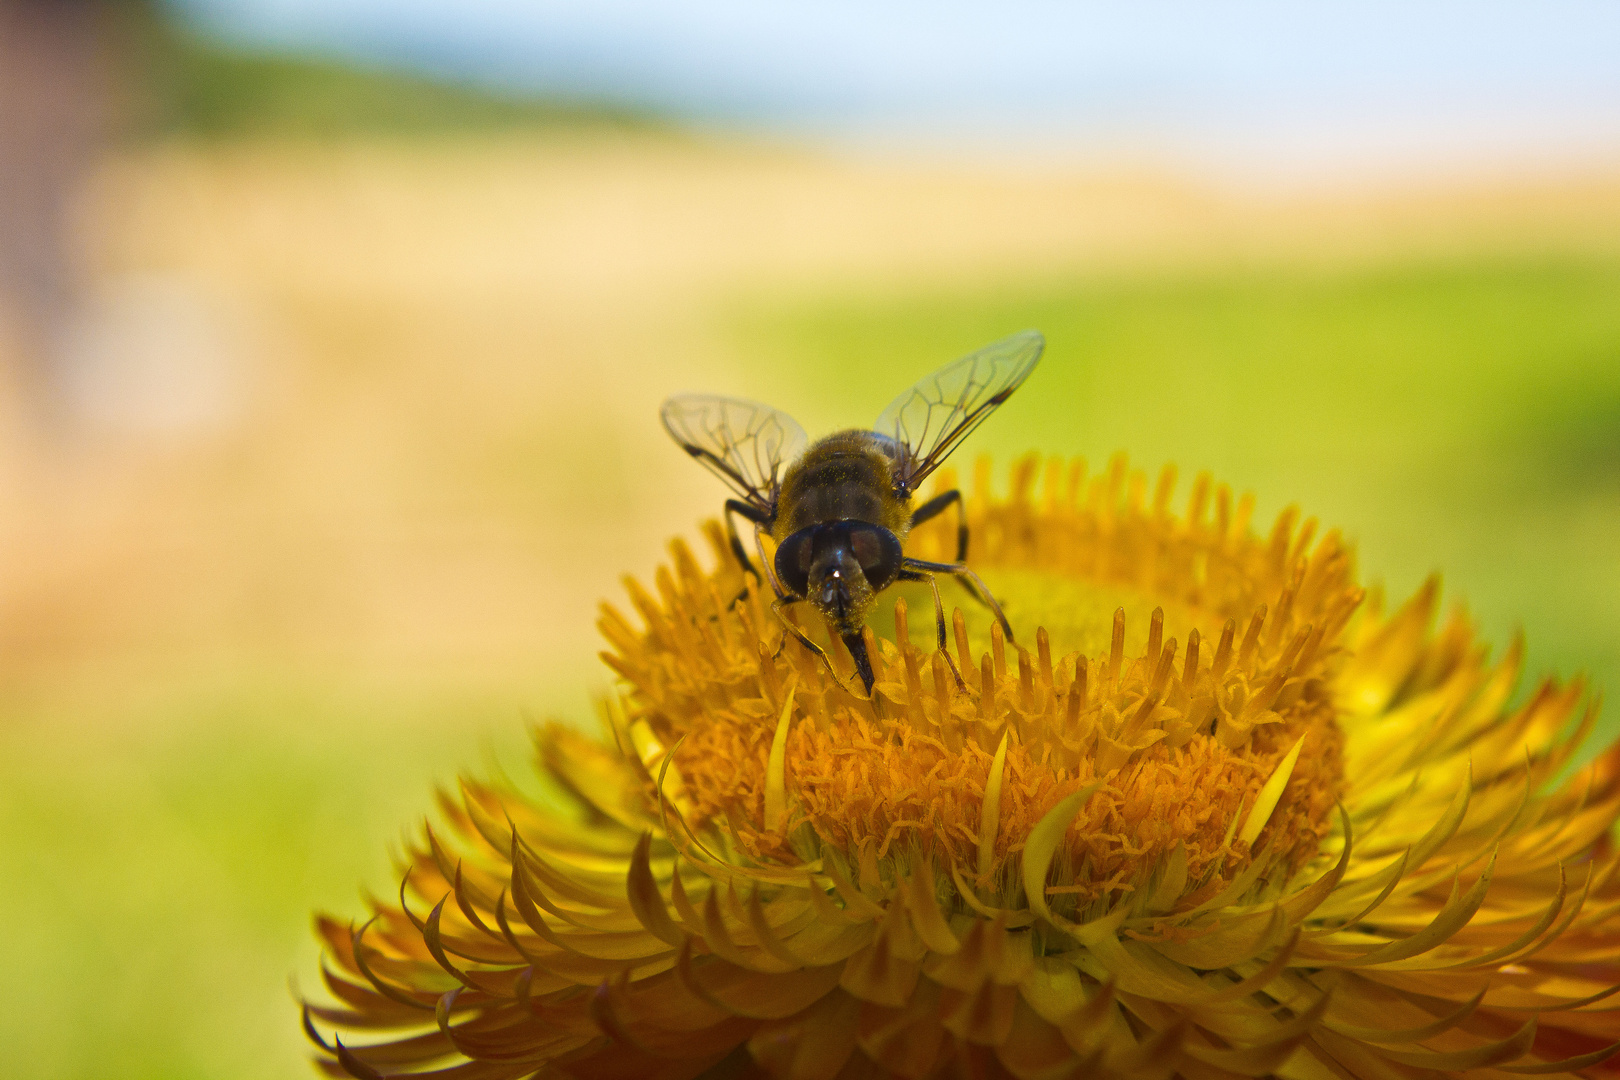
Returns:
(854,642)
(770,572)
(935,506)
(781,603)
(969,580)
(939,620)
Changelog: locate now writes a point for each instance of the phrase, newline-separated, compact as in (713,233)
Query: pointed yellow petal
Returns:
(1269,795)
(1172,882)
(1044,840)
(776,769)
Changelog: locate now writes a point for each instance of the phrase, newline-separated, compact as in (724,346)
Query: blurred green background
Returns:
(361,426)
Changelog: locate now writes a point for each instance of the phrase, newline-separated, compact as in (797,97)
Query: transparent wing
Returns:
(930,419)
(744,443)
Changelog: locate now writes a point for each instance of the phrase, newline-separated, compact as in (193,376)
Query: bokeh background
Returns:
(332,336)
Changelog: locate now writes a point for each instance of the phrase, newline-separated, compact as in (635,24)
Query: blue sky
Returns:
(1324,85)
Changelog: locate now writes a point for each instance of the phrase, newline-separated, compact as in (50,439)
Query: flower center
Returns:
(1177,663)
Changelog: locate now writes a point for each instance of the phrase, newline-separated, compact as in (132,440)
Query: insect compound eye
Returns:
(793,562)
(878,551)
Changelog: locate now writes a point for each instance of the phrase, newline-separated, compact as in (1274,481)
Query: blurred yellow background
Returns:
(360,426)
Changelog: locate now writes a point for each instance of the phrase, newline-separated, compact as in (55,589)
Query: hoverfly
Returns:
(839,511)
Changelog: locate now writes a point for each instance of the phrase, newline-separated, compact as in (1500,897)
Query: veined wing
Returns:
(930,419)
(744,443)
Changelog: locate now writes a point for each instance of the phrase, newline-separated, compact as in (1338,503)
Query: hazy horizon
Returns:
(1257,87)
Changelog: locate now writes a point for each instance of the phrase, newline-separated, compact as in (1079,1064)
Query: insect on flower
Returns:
(1331,847)
(839,512)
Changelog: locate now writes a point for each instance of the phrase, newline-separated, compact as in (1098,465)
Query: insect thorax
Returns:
(847,476)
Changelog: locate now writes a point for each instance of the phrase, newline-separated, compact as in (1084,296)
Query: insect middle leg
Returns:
(969,580)
(939,620)
(936,506)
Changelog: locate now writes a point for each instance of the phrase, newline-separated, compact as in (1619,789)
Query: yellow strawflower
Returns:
(1216,814)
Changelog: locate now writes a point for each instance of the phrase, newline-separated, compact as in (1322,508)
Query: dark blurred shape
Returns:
(54,84)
